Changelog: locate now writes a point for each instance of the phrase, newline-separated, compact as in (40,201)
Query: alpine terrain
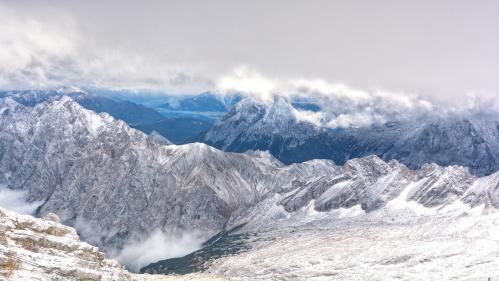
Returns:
(252,125)
(118,187)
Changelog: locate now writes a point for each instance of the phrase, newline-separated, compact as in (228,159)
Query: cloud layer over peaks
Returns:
(341,105)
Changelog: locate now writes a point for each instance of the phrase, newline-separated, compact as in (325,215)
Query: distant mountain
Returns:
(132,113)
(205,102)
(178,130)
(310,106)
(251,125)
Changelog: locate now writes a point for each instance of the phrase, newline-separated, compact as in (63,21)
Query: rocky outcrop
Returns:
(44,249)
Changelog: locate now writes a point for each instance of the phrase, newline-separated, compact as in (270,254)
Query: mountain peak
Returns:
(281,110)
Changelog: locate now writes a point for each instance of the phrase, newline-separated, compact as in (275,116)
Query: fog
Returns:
(15,200)
(157,246)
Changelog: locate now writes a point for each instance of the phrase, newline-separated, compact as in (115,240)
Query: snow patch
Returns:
(401,203)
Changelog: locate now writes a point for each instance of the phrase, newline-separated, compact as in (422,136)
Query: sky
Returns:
(435,50)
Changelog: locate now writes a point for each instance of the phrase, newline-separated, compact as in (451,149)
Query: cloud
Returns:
(158,246)
(244,80)
(57,46)
(175,48)
(15,200)
(142,250)
(344,106)
(341,105)
(39,53)
(314,117)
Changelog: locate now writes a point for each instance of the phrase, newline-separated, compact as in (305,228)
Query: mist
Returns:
(15,200)
(157,246)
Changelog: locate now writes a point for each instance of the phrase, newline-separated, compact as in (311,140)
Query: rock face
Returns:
(159,139)
(44,249)
(250,125)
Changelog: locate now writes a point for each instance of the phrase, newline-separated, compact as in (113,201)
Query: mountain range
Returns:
(117,185)
(146,119)
(251,125)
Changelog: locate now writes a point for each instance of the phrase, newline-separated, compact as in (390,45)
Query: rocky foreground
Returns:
(44,249)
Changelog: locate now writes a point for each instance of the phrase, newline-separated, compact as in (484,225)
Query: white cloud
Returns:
(158,246)
(244,80)
(316,118)
(341,106)
(15,200)
(356,119)
(38,53)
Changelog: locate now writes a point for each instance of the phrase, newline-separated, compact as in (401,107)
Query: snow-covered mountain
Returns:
(95,170)
(116,185)
(367,220)
(250,125)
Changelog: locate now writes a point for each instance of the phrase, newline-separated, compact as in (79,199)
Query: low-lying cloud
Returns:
(15,200)
(343,106)
(158,246)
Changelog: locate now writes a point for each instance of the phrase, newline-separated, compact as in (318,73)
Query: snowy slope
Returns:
(335,248)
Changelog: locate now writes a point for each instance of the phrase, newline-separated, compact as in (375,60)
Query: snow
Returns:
(414,221)
(401,202)
(431,248)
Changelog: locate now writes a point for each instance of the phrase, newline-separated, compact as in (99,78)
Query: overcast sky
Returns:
(438,49)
